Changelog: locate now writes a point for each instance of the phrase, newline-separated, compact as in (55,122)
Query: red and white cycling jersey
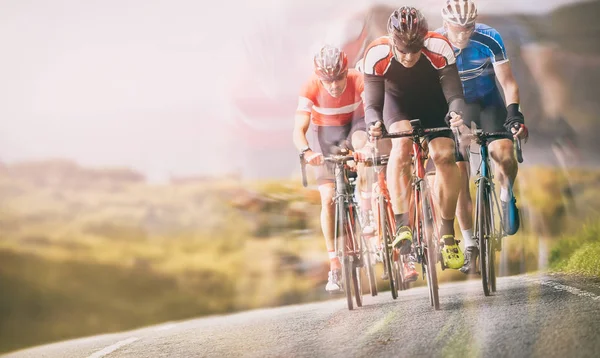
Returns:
(379,54)
(330,111)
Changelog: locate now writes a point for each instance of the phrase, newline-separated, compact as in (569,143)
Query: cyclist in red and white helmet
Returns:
(413,72)
(481,59)
(332,102)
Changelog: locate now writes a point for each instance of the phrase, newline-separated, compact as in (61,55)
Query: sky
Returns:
(148,84)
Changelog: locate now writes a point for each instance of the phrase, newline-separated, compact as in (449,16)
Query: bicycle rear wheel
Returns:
(431,250)
(386,239)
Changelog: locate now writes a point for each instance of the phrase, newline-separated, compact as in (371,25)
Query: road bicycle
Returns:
(349,243)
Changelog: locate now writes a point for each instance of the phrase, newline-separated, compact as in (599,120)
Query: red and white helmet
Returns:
(460,12)
(330,63)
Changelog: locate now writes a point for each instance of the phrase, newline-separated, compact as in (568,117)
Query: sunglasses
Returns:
(335,79)
(405,50)
(461,29)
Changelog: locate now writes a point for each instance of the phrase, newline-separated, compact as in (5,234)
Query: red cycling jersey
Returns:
(330,111)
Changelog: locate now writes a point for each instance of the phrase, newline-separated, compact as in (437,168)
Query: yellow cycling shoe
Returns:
(403,240)
(451,253)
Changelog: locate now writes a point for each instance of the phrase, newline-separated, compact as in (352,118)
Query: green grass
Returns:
(578,253)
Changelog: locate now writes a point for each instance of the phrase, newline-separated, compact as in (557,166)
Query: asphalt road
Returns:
(530,315)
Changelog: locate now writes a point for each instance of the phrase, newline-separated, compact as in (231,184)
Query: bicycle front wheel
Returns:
(432,248)
(356,249)
(386,239)
(484,236)
(342,238)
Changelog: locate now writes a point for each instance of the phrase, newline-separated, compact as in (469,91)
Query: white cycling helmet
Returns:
(460,12)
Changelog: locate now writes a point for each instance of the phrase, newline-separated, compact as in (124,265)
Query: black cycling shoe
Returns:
(470,265)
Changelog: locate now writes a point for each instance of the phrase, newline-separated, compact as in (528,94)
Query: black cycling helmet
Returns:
(408,28)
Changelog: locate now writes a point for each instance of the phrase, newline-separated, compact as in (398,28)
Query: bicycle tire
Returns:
(492,247)
(356,284)
(397,278)
(347,266)
(356,259)
(431,249)
(402,284)
(483,235)
(386,239)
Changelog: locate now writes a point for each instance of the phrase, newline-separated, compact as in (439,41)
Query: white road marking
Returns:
(573,290)
(165,327)
(560,287)
(113,347)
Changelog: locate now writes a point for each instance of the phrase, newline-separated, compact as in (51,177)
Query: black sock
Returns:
(401,220)
(447,227)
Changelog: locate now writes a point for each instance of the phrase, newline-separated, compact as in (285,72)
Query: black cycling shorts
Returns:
(488,114)
(396,110)
(322,139)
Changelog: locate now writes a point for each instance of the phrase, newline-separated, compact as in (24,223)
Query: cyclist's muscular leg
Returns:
(464,206)
(502,153)
(398,180)
(328,221)
(359,139)
(399,170)
(447,178)
(447,186)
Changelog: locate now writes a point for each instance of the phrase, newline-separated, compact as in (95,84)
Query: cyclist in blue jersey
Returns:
(481,60)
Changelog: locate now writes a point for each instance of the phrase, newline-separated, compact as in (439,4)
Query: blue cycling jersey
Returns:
(475,64)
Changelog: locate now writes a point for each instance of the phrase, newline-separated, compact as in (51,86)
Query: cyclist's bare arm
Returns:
(507,81)
(301,124)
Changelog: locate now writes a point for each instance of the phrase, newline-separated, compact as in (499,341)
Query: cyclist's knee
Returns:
(502,151)
(359,139)
(443,157)
(327,191)
(401,159)
(401,149)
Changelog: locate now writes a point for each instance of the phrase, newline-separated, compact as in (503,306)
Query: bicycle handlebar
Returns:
(519,151)
(480,134)
(337,159)
(416,131)
(303,168)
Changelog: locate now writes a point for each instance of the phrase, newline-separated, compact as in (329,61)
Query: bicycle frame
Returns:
(486,177)
(424,219)
(385,220)
(344,204)
(419,186)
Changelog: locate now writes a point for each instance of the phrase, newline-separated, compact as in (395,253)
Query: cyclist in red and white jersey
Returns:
(332,101)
